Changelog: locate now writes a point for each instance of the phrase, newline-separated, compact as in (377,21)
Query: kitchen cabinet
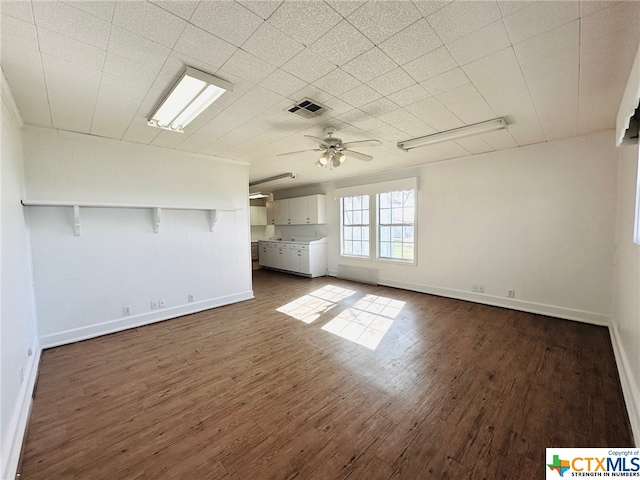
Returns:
(306,257)
(258,215)
(308,210)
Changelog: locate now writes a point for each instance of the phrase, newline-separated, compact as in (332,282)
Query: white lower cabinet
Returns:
(308,259)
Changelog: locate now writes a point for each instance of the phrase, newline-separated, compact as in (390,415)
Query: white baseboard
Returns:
(18,423)
(593,318)
(132,321)
(630,388)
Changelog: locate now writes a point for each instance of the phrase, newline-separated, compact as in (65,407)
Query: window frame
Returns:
(374,227)
(391,225)
(364,226)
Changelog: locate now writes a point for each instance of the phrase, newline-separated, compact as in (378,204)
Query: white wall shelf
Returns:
(155,209)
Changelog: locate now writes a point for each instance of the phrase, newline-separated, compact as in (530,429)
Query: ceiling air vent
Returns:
(307,108)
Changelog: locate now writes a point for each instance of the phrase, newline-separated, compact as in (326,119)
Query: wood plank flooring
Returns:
(453,390)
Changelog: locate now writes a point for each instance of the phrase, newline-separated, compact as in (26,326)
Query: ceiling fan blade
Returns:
(317,140)
(362,143)
(300,151)
(358,155)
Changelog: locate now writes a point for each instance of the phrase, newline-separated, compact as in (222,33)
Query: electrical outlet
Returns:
(475,288)
(154,304)
(126,309)
(511,294)
(162,303)
(192,297)
(21,375)
(480,288)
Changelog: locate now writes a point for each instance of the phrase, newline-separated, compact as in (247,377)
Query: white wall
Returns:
(18,331)
(82,283)
(538,219)
(625,326)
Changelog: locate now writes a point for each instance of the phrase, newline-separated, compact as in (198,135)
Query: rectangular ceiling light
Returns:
(466,131)
(188,98)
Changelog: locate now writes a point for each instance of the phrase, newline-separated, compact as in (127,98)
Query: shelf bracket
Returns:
(213,219)
(76,220)
(156,219)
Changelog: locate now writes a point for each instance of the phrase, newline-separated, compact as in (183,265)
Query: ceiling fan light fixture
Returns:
(340,157)
(324,159)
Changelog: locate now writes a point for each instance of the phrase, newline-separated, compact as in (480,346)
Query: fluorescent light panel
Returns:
(466,131)
(193,93)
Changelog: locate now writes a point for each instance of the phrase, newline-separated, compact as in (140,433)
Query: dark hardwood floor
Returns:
(452,390)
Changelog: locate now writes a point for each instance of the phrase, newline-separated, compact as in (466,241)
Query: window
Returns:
(354,224)
(388,218)
(396,219)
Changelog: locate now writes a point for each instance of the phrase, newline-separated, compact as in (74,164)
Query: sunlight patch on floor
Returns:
(367,321)
(309,307)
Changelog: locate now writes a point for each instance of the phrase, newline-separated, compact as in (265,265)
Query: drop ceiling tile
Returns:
(540,17)
(337,106)
(56,45)
(139,132)
(18,9)
(498,72)
(343,44)
(427,7)
(526,129)
(308,65)
(181,8)
(407,122)
(595,114)
(550,52)
(128,78)
(71,22)
(392,82)
(507,7)
(263,8)
(559,120)
(591,6)
(389,133)
(228,20)
(474,145)
(409,95)
(127,44)
(370,65)
(149,21)
(72,91)
(436,115)
(379,107)
(283,83)
(411,43)
(614,27)
(360,96)
(202,45)
(478,44)
(462,18)
(305,22)
(98,8)
(380,20)
(499,140)
(345,7)
(19,32)
(312,92)
(430,65)
(452,149)
(108,121)
(447,81)
(23,70)
(247,67)
(467,104)
(337,82)
(271,45)
(262,97)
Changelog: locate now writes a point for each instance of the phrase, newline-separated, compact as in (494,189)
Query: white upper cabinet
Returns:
(309,210)
(258,215)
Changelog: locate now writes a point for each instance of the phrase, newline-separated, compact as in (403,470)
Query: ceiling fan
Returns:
(334,152)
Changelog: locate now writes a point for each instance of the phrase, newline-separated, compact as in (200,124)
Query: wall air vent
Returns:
(307,108)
